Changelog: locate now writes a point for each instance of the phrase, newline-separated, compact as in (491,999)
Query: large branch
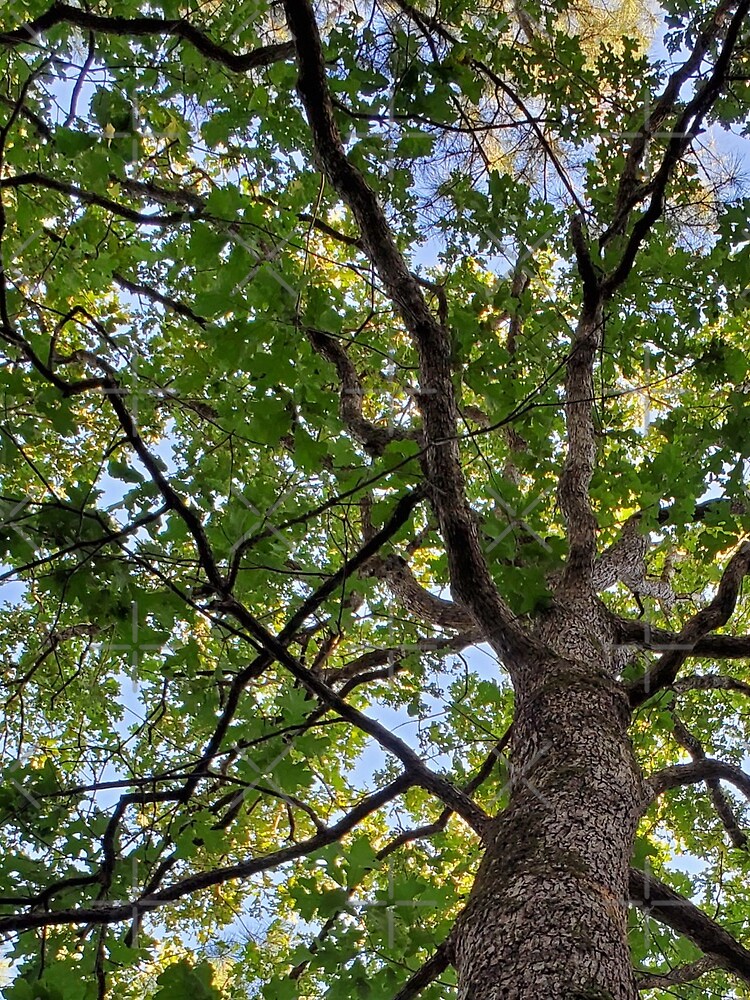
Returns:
(148,27)
(717,613)
(422,603)
(578,468)
(471,581)
(677,912)
(625,561)
(713,682)
(704,769)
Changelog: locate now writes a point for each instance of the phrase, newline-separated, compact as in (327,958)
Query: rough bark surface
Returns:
(548,911)
(547,914)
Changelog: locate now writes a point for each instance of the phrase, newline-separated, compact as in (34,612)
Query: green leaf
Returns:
(182,981)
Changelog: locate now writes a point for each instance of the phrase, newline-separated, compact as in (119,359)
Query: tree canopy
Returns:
(294,408)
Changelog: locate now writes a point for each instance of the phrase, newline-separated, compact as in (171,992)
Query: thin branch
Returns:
(391,655)
(721,802)
(35,179)
(112,913)
(679,976)
(420,774)
(425,22)
(686,128)
(408,837)
(630,191)
(153,295)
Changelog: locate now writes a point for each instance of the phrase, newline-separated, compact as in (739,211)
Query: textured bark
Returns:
(547,915)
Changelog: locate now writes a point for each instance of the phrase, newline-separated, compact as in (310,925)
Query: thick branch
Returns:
(677,912)
(644,635)
(575,478)
(470,577)
(395,570)
(705,769)
(625,561)
(713,682)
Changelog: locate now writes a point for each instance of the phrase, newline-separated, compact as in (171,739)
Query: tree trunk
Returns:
(547,917)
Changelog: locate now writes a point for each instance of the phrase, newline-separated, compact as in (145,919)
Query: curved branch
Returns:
(145,27)
(35,179)
(721,802)
(716,614)
(703,769)
(373,438)
(397,573)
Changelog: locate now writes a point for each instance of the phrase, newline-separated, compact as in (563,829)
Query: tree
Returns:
(374,491)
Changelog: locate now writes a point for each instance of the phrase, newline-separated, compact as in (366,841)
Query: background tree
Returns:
(374,450)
